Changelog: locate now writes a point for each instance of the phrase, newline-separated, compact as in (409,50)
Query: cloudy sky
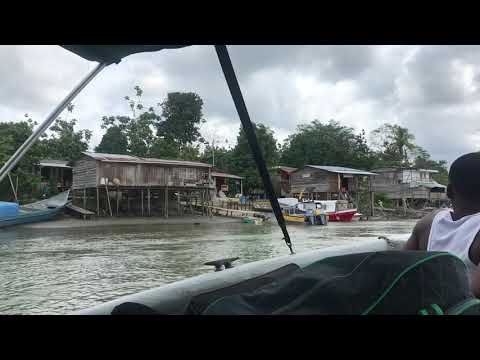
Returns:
(432,90)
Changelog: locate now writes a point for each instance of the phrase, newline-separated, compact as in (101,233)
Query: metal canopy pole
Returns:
(15,158)
(237,97)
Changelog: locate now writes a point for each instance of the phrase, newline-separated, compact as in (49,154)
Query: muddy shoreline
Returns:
(71,222)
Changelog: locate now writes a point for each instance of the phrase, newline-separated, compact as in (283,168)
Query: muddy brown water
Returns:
(57,271)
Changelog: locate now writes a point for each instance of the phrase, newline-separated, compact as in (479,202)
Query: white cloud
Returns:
(433,90)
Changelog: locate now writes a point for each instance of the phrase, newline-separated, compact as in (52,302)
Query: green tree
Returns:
(189,152)
(177,130)
(12,136)
(241,159)
(181,118)
(164,148)
(329,143)
(65,143)
(114,141)
(395,145)
(140,134)
(135,134)
(223,157)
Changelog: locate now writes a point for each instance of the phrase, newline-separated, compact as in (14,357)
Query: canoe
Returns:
(38,211)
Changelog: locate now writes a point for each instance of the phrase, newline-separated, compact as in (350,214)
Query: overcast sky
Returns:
(432,90)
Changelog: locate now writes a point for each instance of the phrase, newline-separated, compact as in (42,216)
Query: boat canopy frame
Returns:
(106,55)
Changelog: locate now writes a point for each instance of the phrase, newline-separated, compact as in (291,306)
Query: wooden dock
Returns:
(80,211)
(215,210)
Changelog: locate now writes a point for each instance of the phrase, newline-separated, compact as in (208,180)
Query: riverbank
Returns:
(70,222)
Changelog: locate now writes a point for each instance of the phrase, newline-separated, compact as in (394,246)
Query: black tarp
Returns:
(377,283)
(114,53)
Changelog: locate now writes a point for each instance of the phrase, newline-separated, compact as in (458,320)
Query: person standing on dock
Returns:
(457,231)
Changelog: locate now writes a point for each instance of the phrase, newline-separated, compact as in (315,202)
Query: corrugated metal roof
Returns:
(111,157)
(287,169)
(430,185)
(388,169)
(54,163)
(225,175)
(342,170)
(140,160)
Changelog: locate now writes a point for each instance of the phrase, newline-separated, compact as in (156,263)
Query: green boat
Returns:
(38,211)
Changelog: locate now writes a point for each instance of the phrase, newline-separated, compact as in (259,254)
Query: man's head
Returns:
(464,180)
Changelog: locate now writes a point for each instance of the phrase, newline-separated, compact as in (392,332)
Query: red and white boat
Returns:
(337,210)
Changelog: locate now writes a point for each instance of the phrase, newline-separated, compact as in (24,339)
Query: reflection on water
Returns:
(62,270)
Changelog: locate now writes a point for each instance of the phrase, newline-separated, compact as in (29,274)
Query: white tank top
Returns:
(454,237)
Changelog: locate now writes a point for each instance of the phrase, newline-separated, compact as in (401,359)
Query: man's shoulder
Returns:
(426,221)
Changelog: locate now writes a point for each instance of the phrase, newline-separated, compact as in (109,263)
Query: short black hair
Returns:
(464,176)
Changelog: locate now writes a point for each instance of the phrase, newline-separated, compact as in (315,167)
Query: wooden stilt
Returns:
(190,202)
(166,202)
(98,202)
(118,200)
(84,201)
(128,202)
(148,201)
(372,198)
(108,200)
(141,200)
(178,203)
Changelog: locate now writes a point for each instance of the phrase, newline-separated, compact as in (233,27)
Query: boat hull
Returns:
(31,217)
(173,299)
(35,212)
(294,219)
(343,216)
(320,219)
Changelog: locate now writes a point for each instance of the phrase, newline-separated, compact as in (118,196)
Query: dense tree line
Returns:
(171,130)
(62,142)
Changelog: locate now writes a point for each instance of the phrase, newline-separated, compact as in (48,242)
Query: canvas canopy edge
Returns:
(109,54)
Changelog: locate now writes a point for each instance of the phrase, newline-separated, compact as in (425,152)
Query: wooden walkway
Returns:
(234,212)
(80,211)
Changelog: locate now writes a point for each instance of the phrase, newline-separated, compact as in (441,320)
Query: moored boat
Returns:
(337,210)
(302,212)
(38,211)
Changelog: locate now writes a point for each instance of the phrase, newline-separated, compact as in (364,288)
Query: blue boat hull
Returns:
(29,217)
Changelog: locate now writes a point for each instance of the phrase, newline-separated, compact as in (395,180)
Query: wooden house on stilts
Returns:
(111,184)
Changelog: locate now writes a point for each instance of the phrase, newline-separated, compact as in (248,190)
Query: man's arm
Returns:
(419,238)
(412,243)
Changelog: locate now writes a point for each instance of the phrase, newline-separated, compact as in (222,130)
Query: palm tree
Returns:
(395,143)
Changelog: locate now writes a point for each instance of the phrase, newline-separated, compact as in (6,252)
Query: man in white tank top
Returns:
(457,231)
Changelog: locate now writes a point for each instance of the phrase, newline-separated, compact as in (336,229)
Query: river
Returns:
(57,271)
